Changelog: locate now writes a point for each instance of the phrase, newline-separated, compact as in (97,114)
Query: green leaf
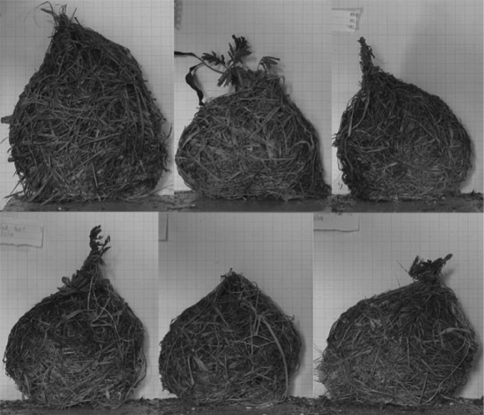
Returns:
(213,58)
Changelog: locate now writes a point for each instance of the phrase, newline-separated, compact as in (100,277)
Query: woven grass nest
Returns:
(235,346)
(82,345)
(410,346)
(397,142)
(86,127)
(252,142)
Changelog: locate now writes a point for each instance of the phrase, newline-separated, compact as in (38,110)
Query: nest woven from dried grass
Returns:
(234,346)
(409,346)
(86,127)
(82,345)
(252,143)
(398,142)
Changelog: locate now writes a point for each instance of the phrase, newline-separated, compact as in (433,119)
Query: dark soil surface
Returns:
(191,202)
(292,406)
(465,202)
(149,204)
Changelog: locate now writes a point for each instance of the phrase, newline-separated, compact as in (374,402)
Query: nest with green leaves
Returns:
(82,345)
(235,346)
(86,127)
(410,346)
(252,142)
(398,142)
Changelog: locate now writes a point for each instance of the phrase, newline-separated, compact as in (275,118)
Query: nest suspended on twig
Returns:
(253,142)
(233,346)
(82,345)
(409,346)
(397,142)
(86,127)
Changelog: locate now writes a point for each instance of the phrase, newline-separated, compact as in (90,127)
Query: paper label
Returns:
(21,232)
(345,20)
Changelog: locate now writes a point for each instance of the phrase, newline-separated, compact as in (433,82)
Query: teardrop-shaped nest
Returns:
(252,143)
(86,127)
(82,345)
(397,142)
(410,346)
(235,346)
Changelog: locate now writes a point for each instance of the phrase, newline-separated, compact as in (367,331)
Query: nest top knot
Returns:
(366,54)
(428,270)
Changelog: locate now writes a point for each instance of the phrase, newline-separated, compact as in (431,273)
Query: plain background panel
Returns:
(296,32)
(351,266)
(434,44)
(145,28)
(28,275)
(272,250)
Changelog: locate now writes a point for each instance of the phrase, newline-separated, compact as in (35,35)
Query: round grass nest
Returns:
(86,127)
(82,345)
(252,143)
(397,142)
(410,346)
(235,346)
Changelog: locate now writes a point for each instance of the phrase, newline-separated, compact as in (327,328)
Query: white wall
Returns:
(434,44)
(145,28)
(273,250)
(350,266)
(296,32)
(27,274)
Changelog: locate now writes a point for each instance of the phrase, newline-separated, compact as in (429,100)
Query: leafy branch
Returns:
(234,71)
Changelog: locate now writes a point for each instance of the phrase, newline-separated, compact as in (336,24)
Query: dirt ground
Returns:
(191,202)
(292,406)
(466,202)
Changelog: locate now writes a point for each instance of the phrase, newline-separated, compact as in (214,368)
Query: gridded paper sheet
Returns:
(30,274)
(145,28)
(351,266)
(436,45)
(296,32)
(273,250)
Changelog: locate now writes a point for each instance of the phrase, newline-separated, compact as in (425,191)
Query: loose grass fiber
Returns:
(82,345)
(409,346)
(86,127)
(397,142)
(252,143)
(233,346)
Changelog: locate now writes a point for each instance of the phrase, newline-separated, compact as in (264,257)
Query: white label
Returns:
(345,20)
(21,232)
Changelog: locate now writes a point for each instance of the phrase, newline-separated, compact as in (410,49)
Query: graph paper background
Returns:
(30,274)
(350,266)
(273,250)
(436,45)
(145,28)
(298,33)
